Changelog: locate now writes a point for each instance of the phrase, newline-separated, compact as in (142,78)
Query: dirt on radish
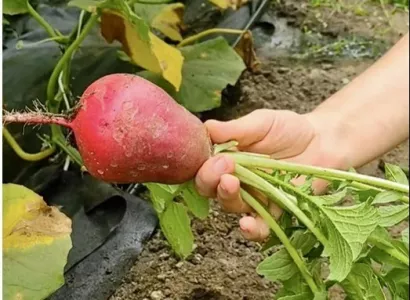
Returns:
(223,264)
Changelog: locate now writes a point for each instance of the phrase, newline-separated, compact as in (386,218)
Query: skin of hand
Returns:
(282,135)
(362,121)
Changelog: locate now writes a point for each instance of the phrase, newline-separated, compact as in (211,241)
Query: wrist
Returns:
(335,139)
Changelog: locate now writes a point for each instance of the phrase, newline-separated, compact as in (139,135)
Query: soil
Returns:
(223,263)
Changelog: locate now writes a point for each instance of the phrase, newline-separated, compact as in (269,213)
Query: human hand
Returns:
(282,135)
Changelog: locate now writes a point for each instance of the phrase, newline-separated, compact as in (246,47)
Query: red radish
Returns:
(129,130)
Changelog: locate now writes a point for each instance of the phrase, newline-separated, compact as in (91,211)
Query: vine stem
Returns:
(51,87)
(282,237)
(67,56)
(50,30)
(248,160)
(195,37)
(258,182)
(23,154)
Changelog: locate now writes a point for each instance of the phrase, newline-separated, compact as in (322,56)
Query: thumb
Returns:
(246,130)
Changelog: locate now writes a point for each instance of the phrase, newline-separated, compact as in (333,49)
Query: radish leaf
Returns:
(197,204)
(397,281)
(176,226)
(393,214)
(348,229)
(294,289)
(280,266)
(405,236)
(362,283)
(386,197)
(395,173)
(161,195)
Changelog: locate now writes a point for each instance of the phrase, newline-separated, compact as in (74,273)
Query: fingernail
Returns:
(223,188)
(220,165)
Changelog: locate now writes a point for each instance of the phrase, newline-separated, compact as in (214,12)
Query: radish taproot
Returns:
(129,130)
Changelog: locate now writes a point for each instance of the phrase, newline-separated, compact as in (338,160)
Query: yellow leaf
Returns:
(28,220)
(154,55)
(169,20)
(36,243)
(224,4)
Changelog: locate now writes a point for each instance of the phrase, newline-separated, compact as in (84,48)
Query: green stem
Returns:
(363,186)
(282,237)
(149,1)
(23,154)
(52,104)
(195,37)
(392,251)
(71,151)
(258,182)
(50,30)
(51,87)
(268,163)
(59,39)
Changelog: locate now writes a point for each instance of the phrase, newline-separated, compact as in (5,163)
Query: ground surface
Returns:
(223,264)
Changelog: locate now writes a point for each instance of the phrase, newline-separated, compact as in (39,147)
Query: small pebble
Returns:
(162,277)
(197,259)
(164,255)
(179,265)
(157,295)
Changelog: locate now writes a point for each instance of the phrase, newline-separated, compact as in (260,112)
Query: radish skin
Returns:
(129,130)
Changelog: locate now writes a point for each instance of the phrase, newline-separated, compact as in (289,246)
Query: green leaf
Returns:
(208,68)
(385,259)
(15,7)
(301,296)
(304,241)
(36,242)
(197,204)
(280,266)
(362,283)
(271,242)
(397,281)
(381,238)
(330,199)
(176,226)
(392,214)
(395,173)
(320,296)
(365,195)
(405,236)
(87,5)
(348,229)
(294,289)
(386,197)
(161,195)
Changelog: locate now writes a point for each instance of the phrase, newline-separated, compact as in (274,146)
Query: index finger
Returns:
(246,130)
